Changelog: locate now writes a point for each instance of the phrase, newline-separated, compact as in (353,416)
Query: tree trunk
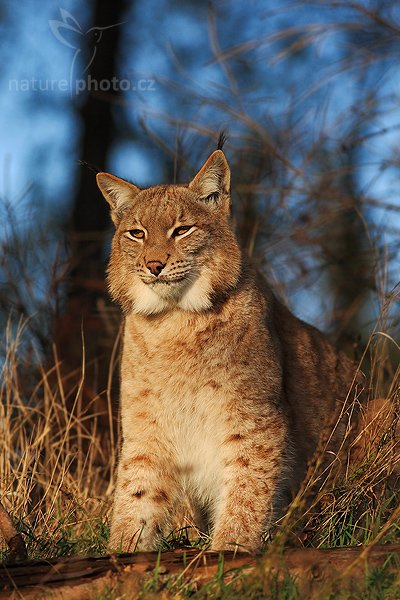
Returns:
(90,221)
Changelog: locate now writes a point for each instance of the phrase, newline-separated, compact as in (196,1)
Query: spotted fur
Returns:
(224,392)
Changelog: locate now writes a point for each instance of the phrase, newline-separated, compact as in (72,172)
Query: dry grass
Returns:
(55,464)
(356,499)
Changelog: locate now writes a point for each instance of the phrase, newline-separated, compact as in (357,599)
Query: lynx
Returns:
(224,392)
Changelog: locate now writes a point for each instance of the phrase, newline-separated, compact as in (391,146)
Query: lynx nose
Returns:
(155,267)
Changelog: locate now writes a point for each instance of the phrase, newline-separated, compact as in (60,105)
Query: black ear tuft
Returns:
(222,140)
(89,166)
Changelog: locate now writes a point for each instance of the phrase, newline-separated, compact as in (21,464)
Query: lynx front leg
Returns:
(144,498)
(252,471)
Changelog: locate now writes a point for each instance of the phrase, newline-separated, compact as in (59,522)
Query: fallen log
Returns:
(87,577)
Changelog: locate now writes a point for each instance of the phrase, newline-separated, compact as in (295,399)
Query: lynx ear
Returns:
(212,182)
(116,191)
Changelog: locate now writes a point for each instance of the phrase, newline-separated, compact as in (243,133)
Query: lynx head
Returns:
(173,246)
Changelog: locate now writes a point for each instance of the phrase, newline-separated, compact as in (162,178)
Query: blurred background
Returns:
(308,94)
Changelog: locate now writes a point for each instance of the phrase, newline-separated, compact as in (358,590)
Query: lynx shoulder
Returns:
(224,392)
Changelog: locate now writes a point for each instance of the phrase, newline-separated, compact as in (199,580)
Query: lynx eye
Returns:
(137,234)
(181,230)
(214,197)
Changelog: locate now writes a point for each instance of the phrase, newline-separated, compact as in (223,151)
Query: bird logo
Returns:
(69,32)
